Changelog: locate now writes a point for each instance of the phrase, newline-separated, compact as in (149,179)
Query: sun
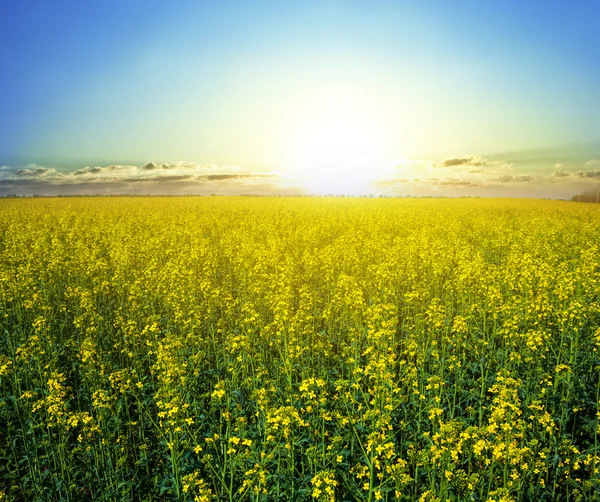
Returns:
(337,152)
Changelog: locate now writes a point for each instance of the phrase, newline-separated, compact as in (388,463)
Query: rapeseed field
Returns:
(214,348)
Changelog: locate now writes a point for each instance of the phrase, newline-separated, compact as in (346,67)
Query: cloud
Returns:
(187,165)
(176,177)
(158,179)
(453,182)
(37,171)
(588,174)
(592,174)
(592,162)
(19,182)
(473,164)
(471,175)
(88,170)
(151,177)
(477,176)
(221,177)
(471,160)
(512,179)
(149,169)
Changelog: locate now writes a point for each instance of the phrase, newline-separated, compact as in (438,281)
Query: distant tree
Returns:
(588,196)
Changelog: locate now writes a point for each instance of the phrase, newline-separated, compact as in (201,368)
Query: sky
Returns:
(443,98)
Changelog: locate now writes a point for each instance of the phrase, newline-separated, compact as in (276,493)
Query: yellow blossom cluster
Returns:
(248,348)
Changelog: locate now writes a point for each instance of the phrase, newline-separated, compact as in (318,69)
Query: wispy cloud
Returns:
(512,179)
(453,182)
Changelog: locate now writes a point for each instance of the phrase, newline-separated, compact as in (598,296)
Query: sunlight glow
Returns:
(337,149)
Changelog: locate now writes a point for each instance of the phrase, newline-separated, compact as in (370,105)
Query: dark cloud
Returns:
(150,166)
(588,174)
(561,174)
(220,177)
(470,160)
(474,164)
(87,170)
(135,180)
(158,179)
(162,179)
(175,177)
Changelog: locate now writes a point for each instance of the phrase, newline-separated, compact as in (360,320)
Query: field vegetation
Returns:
(199,349)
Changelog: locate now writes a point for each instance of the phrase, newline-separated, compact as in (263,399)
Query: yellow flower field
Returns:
(218,348)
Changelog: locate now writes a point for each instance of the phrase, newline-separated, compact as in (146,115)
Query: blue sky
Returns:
(274,93)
